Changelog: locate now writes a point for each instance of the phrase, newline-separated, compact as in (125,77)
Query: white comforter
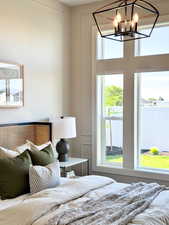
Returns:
(37,209)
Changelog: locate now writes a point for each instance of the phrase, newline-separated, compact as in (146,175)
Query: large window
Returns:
(132,105)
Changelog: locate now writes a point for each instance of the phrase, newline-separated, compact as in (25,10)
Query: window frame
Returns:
(137,86)
(102,122)
(128,66)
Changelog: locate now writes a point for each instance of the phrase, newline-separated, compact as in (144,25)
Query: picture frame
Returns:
(11,85)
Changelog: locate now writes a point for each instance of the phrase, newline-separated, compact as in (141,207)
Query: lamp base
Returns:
(63,157)
(62,148)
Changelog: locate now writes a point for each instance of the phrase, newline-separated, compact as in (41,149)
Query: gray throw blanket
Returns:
(112,209)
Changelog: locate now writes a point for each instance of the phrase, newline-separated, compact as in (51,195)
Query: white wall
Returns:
(82,23)
(36,33)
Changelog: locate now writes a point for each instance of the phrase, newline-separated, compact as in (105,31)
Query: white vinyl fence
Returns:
(154,129)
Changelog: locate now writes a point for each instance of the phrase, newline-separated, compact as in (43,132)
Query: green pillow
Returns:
(14,176)
(43,157)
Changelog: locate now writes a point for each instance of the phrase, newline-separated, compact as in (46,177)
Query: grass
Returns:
(151,161)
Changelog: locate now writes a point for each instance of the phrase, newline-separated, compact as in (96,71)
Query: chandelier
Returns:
(125,20)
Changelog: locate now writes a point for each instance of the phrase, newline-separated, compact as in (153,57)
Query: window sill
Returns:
(139,172)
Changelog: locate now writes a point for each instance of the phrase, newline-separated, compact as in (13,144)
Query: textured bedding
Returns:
(88,194)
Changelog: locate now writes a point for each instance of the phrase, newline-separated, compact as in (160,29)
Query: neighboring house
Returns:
(155,102)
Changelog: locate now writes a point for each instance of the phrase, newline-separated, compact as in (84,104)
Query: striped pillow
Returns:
(41,178)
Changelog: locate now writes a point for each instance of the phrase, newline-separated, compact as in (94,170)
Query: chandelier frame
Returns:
(134,34)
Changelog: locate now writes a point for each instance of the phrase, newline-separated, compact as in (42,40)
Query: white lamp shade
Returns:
(64,127)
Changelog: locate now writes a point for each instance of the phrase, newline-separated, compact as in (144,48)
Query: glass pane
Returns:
(110,118)
(2,92)
(153,101)
(108,49)
(15,89)
(155,45)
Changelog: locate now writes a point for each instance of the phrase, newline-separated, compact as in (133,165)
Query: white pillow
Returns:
(20,149)
(41,178)
(7,153)
(34,147)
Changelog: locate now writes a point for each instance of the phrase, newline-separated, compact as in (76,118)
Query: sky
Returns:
(155,85)
(157,43)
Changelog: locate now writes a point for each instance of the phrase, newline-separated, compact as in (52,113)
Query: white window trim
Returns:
(101,159)
(115,66)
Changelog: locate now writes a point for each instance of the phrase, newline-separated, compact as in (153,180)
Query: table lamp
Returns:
(64,128)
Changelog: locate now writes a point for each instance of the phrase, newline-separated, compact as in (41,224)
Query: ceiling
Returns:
(78,2)
(82,2)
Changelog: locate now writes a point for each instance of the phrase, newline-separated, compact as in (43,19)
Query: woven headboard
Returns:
(16,134)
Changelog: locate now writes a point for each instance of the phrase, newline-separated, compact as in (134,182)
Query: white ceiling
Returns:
(82,2)
(78,2)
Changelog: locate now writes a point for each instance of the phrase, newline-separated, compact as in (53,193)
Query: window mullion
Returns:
(129,50)
(129,115)
(128,124)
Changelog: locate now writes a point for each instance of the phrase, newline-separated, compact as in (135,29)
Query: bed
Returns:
(93,200)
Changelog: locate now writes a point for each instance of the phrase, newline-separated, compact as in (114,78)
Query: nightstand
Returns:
(73,162)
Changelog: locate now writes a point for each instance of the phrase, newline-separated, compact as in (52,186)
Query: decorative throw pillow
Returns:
(43,157)
(14,176)
(41,178)
(34,147)
(7,153)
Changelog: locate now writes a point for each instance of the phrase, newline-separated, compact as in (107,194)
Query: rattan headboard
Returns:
(16,134)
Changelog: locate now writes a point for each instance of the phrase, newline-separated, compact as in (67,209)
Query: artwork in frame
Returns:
(11,85)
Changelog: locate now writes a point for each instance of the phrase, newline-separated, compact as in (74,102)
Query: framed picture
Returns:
(11,85)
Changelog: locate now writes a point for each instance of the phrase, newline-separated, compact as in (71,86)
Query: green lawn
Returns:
(152,161)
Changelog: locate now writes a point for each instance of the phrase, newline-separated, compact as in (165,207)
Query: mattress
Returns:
(40,208)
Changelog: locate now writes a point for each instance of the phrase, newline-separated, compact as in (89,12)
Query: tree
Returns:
(113,96)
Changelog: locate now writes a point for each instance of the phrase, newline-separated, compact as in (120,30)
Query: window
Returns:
(155,45)
(107,49)
(153,108)
(131,116)
(110,121)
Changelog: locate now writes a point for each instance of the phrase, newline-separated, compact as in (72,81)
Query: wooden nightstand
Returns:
(72,162)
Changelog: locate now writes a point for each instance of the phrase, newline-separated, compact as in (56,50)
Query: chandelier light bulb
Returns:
(118,17)
(136,18)
(115,23)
